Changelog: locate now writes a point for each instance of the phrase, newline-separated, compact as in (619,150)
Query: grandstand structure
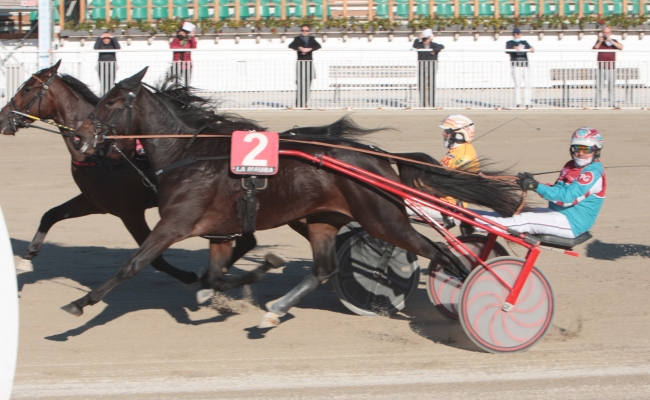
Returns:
(391,10)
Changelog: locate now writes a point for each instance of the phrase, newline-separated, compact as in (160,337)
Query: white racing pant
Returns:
(542,221)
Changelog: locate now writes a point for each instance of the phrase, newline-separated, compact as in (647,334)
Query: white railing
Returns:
(398,83)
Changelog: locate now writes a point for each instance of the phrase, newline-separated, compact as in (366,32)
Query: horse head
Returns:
(33,98)
(112,115)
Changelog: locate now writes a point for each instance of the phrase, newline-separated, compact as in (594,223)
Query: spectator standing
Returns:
(106,63)
(182,61)
(304,45)
(519,66)
(427,63)
(606,66)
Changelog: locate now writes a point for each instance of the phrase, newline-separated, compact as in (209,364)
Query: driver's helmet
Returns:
(460,124)
(586,136)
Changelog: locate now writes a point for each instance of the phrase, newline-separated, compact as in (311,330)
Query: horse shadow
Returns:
(90,266)
(613,251)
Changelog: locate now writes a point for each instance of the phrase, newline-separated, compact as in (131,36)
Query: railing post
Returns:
(61,17)
(432,4)
(581,7)
(371,14)
(641,7)
(560,4)
(476,7)
(305,11)
(108,9)
(496,8)
(82,11)
(217,10)
(410,10)
(625,7)
(196,10)
(258,10)
(149,11)
(456,8)
(128,10)
(516,8)
(283,11)
(237,3)
(391,16)
(324,10)
(170,9)
(600,7)
(540,12)
(345,8)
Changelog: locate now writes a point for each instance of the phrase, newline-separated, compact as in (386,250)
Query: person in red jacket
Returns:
(182,61)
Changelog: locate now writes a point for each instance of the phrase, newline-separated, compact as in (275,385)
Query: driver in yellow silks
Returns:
(457,134)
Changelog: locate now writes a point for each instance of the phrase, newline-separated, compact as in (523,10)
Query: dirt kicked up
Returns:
(150,340)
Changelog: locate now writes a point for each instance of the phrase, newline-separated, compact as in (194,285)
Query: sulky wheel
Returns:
(495,330)
(375,277)
(444,289)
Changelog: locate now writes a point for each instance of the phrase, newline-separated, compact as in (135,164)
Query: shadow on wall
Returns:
(611,251)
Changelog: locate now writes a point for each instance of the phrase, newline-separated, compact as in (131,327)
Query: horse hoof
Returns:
(269,320)
(73,309)
(25,266)
(269,307)
(275,260)
(204,295)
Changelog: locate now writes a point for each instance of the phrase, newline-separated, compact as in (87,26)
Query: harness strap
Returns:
(187,161)
(146,180)
(187,146)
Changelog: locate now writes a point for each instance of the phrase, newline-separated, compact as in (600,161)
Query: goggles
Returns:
(576,148)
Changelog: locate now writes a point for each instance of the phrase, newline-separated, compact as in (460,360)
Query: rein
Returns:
(505,178)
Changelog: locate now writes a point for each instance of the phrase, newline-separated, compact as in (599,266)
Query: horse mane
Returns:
(197,111)
(345,130)
(80,88)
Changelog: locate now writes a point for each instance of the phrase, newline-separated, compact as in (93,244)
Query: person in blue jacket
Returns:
(576,197)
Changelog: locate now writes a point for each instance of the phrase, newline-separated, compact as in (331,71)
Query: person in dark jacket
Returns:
(304,45)
(182,61)
(427,63)
(518,50)
(106,62)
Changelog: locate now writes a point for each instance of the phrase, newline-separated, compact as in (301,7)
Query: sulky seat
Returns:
(563,243)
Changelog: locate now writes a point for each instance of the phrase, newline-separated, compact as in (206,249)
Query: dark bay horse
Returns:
(203,198)
(107,183)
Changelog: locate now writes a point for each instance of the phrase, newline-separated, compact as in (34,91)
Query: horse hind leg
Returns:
(76,207)
(322,236)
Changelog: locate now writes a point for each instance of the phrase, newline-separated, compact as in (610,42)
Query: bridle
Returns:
(101,127)
(17,120)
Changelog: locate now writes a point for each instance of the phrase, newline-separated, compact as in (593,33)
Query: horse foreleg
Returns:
(137,226)
(221,255)
(166,233)
(76,207)
(322,237)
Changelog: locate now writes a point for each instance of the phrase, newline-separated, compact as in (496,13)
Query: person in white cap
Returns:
(182,61)
(427,63)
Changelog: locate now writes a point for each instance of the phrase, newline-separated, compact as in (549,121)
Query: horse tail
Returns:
(344,128)
(483,189)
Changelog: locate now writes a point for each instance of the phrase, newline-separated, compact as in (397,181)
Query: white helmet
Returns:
(460,124)
(587,136)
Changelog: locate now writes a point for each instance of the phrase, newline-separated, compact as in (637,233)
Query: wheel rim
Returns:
(444,289)
(367,288)
(495,330)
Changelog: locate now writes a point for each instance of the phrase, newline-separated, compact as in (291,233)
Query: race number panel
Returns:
(254,153)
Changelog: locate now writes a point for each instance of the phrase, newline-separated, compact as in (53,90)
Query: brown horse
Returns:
(107,182)
(203,198)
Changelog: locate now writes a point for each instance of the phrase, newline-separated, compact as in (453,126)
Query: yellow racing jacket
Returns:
(463,155)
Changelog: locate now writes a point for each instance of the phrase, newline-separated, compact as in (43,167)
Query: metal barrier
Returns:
(381,83)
